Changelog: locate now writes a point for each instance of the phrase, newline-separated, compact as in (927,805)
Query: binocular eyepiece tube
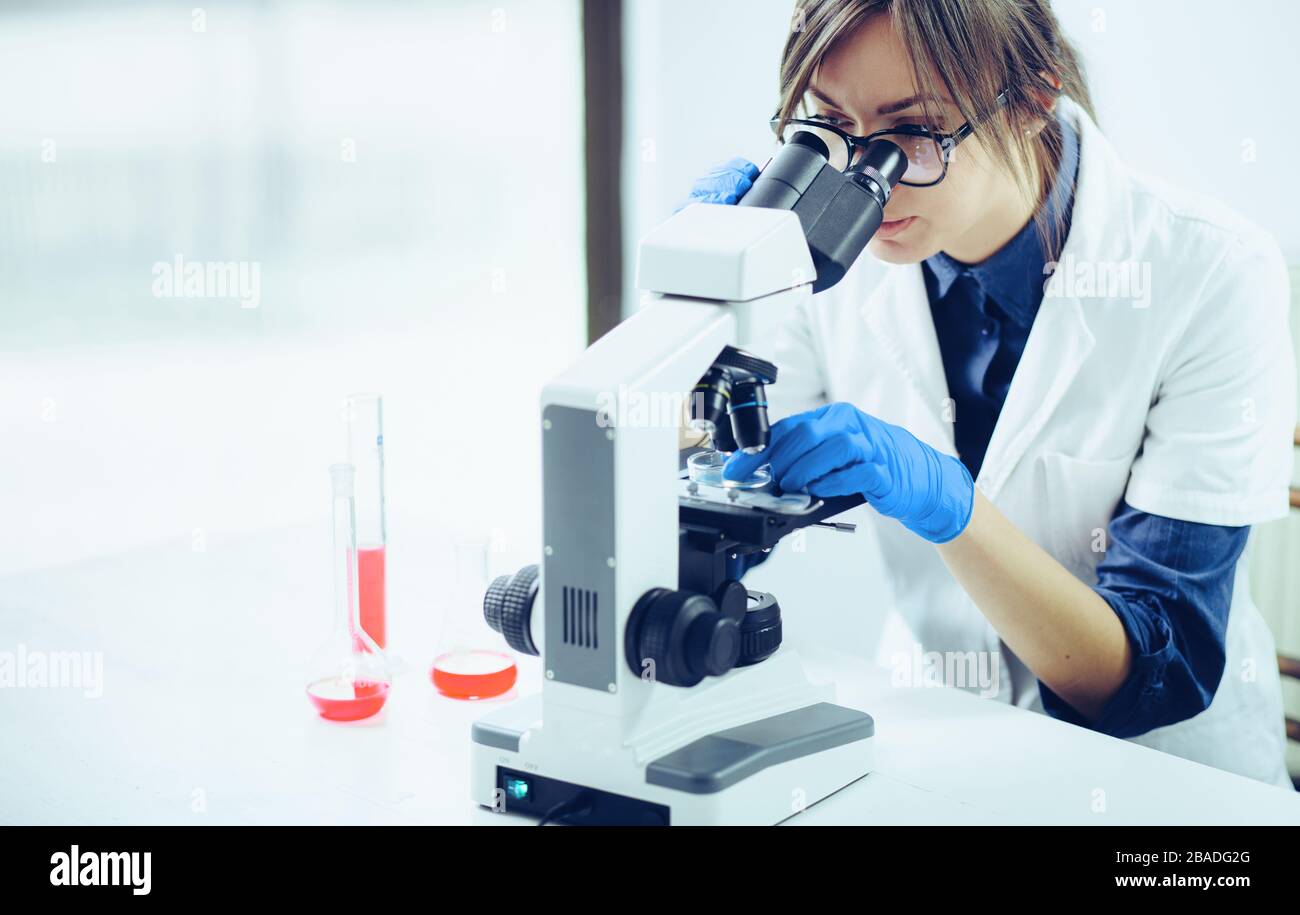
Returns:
(838,210)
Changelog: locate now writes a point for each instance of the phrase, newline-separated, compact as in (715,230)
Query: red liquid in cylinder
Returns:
(370,573)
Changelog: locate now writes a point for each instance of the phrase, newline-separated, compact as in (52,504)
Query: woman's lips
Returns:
(892,227)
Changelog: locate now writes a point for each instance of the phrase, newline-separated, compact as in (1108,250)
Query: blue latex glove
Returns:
(726,183)
(837,450)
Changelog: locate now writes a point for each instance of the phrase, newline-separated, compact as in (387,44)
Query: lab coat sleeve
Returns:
(1218,441)
(1170,583)
(800,361)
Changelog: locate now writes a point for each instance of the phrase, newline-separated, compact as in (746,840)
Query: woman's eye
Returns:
(932,128)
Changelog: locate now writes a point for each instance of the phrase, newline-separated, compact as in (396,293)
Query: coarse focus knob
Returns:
(760,632)
(508,608)
(679,638)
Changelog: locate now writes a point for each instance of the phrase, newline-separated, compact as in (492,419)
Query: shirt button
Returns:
(989,326)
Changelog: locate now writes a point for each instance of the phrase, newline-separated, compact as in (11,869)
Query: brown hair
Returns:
(971,50)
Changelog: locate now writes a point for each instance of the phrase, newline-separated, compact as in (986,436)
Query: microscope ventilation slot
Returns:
(580,618)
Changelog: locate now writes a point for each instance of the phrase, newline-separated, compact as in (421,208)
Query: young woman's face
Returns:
(866,84)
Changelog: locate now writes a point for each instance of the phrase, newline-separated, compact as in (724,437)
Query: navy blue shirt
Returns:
(1168,581)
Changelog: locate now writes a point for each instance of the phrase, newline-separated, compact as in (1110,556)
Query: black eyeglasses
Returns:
(928,151)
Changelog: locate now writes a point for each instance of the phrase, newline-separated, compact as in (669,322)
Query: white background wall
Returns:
(441,264)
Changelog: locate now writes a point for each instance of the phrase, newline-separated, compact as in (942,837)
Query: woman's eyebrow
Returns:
(904,104)
(891,108)
(824,99)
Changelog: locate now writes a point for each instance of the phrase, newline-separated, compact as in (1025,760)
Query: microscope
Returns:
(668,698)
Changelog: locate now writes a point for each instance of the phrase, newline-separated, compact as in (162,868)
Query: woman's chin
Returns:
(896,251)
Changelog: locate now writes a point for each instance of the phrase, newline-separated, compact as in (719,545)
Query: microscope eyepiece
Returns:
(791,172)
(878,168)
(812,141)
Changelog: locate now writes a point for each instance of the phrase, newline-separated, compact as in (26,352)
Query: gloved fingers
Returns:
(793,437)
(788,440)
(726,183)
(863,478)
(740,465)
(835,452)
(809,429)
(746,169)
(838,417)
(721,194)
(726,189)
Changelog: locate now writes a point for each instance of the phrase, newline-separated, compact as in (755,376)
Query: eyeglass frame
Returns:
(947,142)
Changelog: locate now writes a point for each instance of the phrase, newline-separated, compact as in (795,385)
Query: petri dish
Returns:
(473,674)
(705,468)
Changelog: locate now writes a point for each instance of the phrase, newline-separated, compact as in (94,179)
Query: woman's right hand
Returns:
(725,183)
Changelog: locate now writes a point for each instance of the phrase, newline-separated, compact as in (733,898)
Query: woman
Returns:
(1116,429)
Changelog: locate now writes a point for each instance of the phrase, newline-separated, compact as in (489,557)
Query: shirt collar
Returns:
(1013,276)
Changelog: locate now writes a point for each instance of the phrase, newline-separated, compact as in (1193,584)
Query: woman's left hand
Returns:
(838,450)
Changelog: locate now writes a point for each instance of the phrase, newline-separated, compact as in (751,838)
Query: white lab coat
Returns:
(1182,403)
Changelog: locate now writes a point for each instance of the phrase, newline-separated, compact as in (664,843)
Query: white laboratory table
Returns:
(203,718)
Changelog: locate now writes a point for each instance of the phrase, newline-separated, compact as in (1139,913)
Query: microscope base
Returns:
(758,773)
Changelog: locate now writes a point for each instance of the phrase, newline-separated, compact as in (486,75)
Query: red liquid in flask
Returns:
(339,699)
(473,674)
(370,574)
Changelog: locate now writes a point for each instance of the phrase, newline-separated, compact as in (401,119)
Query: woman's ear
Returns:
(1050,92)
(1046,97)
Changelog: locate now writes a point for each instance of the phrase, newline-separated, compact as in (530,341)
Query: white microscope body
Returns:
(755,745)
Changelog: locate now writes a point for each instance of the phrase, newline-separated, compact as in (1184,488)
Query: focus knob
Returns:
(732,600)
(679,638)
(760,632)
(713,645)
(508,608)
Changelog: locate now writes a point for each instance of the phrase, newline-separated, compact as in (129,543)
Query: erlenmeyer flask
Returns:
(468,664)
(348,677)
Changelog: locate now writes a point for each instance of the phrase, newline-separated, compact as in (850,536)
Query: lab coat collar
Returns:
(898,315)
